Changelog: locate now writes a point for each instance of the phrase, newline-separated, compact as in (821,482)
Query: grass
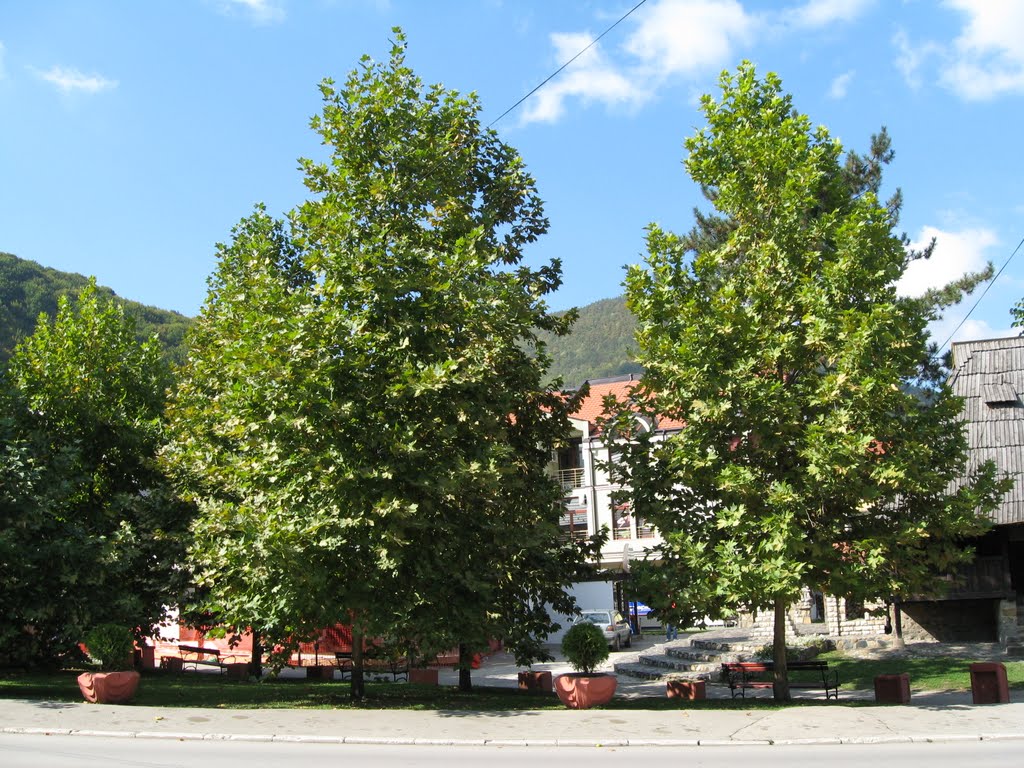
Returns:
(941,673)
(163,689)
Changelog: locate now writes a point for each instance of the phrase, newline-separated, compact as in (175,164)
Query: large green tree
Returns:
(90,531)
(364,418)
(774,331)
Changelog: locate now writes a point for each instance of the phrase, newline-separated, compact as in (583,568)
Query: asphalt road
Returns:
(30,751)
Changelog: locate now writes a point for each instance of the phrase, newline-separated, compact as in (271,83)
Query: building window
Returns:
(570,464)
(573,523)
(854,609)
(622,522)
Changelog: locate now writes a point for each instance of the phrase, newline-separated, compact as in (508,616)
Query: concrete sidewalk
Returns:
(925,720)
(929,717)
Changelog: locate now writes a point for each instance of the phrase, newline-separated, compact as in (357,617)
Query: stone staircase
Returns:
(691,659)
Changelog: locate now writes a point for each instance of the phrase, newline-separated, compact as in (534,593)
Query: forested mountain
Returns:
(28,288)
(599,345)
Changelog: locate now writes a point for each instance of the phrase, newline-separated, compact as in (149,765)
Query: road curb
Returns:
(428,742)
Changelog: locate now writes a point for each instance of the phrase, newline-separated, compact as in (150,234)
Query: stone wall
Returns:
(801,619)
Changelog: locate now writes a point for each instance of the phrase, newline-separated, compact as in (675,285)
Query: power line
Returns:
(554,74)
(982,296)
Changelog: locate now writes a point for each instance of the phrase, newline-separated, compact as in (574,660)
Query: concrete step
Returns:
(648,672)
(724,646)
(697,655)
(673,663)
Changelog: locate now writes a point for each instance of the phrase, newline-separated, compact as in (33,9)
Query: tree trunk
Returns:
(256,661)
(897,621)
(357,689)
(781,686)
(465,669)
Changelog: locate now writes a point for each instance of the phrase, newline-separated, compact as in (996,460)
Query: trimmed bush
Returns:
(585,647)
(802,649)
(111,645)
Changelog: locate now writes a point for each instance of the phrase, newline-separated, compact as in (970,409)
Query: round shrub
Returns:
(111,645)
(585,647)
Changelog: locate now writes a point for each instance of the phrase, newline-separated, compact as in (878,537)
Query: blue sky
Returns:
(136,134)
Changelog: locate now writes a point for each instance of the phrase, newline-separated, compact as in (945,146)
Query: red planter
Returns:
(108,687)
(579,691)
(535,682)
(237,671)
(892,689)
(989,684)
(325,674)
(423,676)
(686,689)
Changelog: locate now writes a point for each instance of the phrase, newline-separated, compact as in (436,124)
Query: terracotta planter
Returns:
(237,671)
(535,682)
(423,676)
(686,689)
(145,657)
(989,684)
(892,689)
(108,687)
(579,691)
(325,674)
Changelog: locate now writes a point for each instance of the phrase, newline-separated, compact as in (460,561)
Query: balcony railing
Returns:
(574,523)
(570,478)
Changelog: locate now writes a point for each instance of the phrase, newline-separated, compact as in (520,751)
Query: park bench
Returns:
(741,675)
(196,655)
(396,667)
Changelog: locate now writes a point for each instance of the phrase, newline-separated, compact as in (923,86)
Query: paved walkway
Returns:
(929,717)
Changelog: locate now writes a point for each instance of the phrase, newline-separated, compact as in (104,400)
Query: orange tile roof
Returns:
(592,407)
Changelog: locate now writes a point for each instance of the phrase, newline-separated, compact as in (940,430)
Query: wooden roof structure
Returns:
(989,375)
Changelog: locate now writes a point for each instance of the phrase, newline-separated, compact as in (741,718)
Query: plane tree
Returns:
(90,528)
(817,449)
(364,418)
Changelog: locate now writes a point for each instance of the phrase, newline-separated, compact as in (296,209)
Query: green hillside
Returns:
(600,344)
(28,288)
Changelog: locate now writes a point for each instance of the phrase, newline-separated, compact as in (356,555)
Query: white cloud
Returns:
(671,38)
(689,37)
(955,254)
(971,330)
(840,85)
(821,13)
(988,56)
(69,80)
(258,11)
(911,57)
(591,77)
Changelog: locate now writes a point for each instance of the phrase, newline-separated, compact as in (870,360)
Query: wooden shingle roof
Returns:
(989,375)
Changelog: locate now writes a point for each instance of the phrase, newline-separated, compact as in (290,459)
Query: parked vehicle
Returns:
(616,629)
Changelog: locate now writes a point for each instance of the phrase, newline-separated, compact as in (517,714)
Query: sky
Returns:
(134,135)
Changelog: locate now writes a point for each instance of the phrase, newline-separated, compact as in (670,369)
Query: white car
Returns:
(608,620)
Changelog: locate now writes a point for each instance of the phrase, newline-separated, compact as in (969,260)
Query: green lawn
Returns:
(163,689)
(932,674)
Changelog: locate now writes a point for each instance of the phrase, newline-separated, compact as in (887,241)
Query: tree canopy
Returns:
(90,531)
(364,418)
(774,331)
